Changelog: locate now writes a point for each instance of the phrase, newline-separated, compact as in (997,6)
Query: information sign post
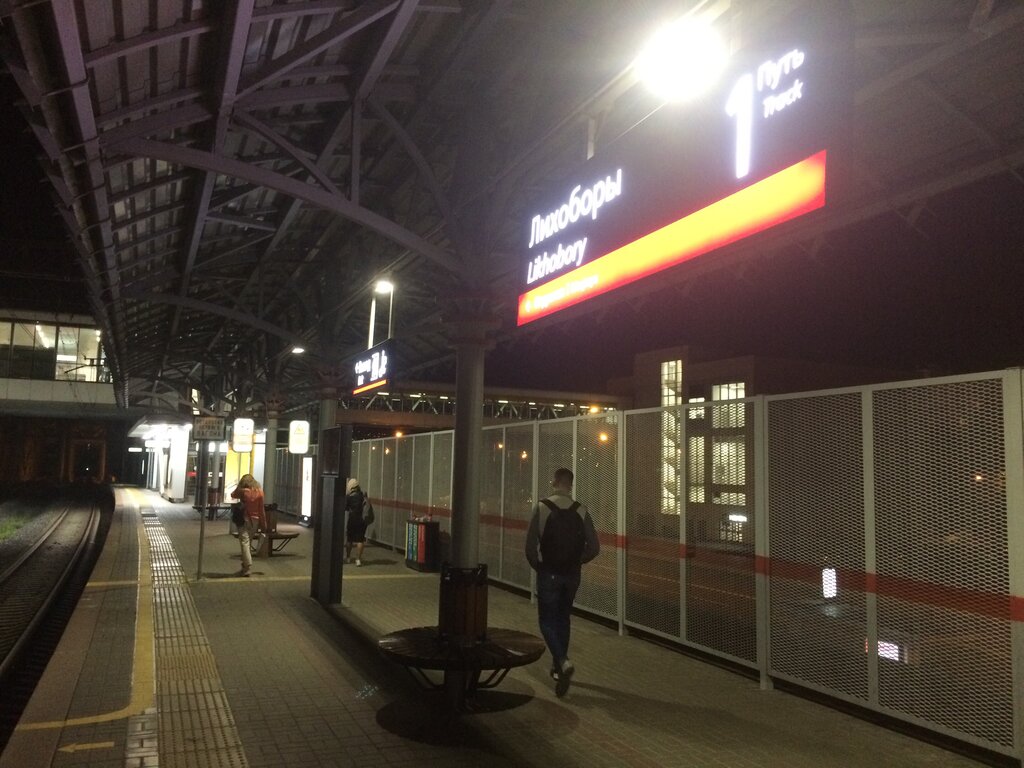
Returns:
(204,429)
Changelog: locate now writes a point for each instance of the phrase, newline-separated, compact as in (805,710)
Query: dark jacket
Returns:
(360,511)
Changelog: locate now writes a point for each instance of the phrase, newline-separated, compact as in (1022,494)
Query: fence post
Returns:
(620,522)
(762,548)
(1013,431)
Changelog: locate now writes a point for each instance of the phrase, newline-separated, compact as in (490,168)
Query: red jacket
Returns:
(253,501)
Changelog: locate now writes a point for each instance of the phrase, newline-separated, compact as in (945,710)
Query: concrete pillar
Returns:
(469,337)
(328,409)
(469,399)
(321,581)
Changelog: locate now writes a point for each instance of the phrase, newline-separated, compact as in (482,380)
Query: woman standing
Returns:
(251,495)
(360,516)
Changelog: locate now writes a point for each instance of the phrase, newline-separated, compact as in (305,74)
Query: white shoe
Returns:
(359,562)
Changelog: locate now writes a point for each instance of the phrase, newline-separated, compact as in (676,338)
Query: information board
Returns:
(693,177)
(207,428)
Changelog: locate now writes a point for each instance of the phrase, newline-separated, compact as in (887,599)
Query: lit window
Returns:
(731,530)
(671,436)
(729,415)
(671,382)
(695,469)
(695,413)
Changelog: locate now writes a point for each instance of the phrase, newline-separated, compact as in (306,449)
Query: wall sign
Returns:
(242,433)
(372,369)
(208,428)
(694,177)
(298,436)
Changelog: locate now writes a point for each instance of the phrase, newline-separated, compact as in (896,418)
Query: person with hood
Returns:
(360,516)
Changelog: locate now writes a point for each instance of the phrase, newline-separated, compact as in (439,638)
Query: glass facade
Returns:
(47,351)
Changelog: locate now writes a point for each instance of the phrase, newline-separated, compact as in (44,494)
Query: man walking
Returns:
(560,539)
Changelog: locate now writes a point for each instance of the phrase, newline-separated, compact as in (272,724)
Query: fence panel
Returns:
(421,472)
(491,499)
(652,526)
(441,487)
(371,481)
(404,448)
(518,503)
(385,511)
(719,595)
(597,486)
(944,626)
(818,606)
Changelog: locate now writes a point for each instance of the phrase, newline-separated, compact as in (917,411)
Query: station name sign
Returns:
(697,176)
(372,369)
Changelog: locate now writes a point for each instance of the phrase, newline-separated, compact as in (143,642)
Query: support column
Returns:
(332,466)
(270,459)
(469,337)
(469,403)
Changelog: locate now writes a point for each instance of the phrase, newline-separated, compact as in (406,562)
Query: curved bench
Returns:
(423,648)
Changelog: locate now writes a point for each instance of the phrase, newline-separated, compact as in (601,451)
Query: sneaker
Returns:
(553,672)
(359,563)
(564,678)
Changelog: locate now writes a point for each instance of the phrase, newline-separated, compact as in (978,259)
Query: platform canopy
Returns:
(236,176)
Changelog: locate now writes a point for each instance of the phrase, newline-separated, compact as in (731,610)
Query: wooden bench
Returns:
(272,540)
(462,646)
(425,648)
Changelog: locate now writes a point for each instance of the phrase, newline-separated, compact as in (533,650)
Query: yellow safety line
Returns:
(102,584)
(143,693)
(265,579)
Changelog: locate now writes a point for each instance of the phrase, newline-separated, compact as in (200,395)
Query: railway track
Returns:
(39,587)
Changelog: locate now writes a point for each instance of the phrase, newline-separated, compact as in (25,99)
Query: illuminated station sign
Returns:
(372,369)
(754,152)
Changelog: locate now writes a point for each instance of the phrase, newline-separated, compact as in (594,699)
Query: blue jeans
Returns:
(555,595)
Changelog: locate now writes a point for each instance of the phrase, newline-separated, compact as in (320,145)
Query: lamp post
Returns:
(382,286)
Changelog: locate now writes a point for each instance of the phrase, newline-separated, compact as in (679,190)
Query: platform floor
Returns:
(161,669)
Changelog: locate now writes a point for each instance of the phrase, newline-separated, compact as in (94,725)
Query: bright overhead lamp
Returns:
(682,60)
(384,286)
(298,350)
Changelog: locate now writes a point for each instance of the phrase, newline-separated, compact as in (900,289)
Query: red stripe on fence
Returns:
(943,596)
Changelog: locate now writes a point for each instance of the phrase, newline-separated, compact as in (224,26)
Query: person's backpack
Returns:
(563,539)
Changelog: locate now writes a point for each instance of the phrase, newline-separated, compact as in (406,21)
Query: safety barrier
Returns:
(865,542)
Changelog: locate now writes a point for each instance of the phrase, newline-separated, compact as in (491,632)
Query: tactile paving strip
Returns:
(196,727)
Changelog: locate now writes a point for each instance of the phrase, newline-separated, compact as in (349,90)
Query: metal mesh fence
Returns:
(404,448)
(518,502)
(372,479)
(652,578)
(719,572)
(597,486)
(385,512)
(943,571)
(441,482)
(421,473)
(817,601)
(888,570)
(491,522)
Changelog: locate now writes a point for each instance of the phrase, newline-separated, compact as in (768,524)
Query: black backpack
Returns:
(563,539)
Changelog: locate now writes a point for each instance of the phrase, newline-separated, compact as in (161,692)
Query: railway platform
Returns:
(162,668)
